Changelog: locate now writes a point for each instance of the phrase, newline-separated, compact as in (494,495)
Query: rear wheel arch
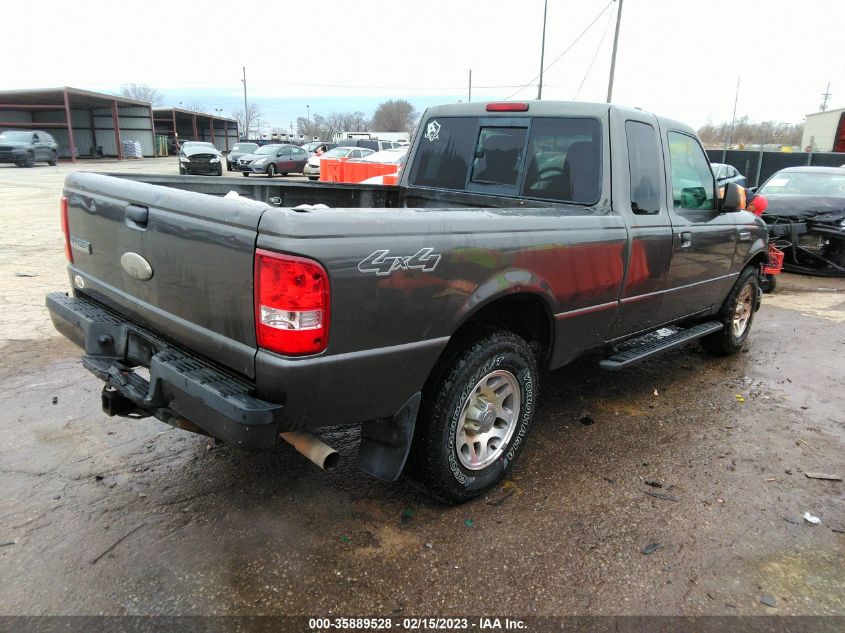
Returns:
(526,314)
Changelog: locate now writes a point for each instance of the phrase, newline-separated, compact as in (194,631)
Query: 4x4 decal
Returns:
(383,263)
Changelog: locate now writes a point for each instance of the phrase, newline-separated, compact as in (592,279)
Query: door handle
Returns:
(137,215)
(685,238)
(745,236)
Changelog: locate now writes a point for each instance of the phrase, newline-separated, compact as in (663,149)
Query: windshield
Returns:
(806,183)
(338,152)
(16,136)
(267,150)
(246,148)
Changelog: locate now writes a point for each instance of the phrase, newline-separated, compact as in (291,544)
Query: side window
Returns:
(644,167)
(692,180)
(498,155)
(564,160)
(35,138)
(285,151)
(47,138)
(444,151)
(356,153)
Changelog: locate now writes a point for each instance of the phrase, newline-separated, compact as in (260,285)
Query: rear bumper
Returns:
(182,386)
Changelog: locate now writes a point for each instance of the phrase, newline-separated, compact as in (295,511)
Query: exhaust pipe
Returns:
(315,450)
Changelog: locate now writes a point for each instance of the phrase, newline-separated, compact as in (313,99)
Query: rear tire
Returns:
(54,159)
(313,177)
(736,315)
(245,174)
(477,408)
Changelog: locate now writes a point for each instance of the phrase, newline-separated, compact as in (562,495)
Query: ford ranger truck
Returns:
(521,236)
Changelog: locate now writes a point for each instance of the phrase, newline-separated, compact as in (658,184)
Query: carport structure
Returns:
(81,121)
(187,125)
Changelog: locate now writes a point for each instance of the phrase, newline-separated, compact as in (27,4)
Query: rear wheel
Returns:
(54,158)
(313,177)
(271,170)
(477,408)
(736,315)
(245,174)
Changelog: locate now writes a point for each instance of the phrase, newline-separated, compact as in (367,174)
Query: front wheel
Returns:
(313,177)
(477,409)
(245,174)
(54,159)
(736,315)
(29,161)
(271,170)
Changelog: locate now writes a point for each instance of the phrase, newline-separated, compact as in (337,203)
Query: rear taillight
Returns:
(507,106)
(291,304)
(66,230)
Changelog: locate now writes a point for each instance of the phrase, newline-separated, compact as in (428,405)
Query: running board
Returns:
(653,344)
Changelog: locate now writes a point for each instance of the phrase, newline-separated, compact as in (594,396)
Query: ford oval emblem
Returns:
(136,266)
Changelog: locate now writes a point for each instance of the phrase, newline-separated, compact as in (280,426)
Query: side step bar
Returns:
(653,344)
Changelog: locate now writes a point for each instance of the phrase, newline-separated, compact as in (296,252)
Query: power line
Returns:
(595,55)
(565,51)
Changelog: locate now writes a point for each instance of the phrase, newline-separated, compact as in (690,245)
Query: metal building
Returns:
(825,131)
(186,125)
(84,123)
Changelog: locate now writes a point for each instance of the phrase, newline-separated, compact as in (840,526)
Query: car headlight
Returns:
(184,159)
(260,161)
(216,159)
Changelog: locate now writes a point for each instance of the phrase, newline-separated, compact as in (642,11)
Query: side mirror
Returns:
(734,198)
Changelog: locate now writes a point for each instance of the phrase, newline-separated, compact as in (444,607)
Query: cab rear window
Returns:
(549,158)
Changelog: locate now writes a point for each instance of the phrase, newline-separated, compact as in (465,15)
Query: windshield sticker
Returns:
(383,263)
(432,131)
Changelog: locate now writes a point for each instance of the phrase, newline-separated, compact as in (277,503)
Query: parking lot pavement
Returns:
(675,487)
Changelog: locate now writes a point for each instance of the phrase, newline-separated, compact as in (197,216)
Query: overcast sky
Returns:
(680,58)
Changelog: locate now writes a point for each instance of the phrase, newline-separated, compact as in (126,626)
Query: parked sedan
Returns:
(25,147)
(200,158)
(272,160)
(312,168)
(727,173)
(240,149)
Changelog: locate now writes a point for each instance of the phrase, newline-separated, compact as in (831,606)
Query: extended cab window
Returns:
(564,160)
(692,180)
(442,158)
(644,167)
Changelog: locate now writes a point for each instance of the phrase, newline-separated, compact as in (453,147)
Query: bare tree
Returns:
(196,106)
(250,123)
(395,115)
(746,132)
(142,92)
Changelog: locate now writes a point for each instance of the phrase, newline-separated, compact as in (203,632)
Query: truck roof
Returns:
(550,108)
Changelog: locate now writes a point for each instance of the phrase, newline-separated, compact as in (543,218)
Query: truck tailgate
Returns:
(198,248)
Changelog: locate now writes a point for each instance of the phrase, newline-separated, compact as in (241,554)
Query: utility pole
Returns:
(469,93)
(730,138)
(246,108)
(542,51)
(826,95)
(613,56)
(308,115)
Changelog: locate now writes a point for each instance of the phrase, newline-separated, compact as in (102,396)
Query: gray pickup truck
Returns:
(520,236)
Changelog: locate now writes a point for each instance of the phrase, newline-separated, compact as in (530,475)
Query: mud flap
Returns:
(385,443)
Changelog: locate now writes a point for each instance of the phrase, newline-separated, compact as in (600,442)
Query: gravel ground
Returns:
(701,460)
